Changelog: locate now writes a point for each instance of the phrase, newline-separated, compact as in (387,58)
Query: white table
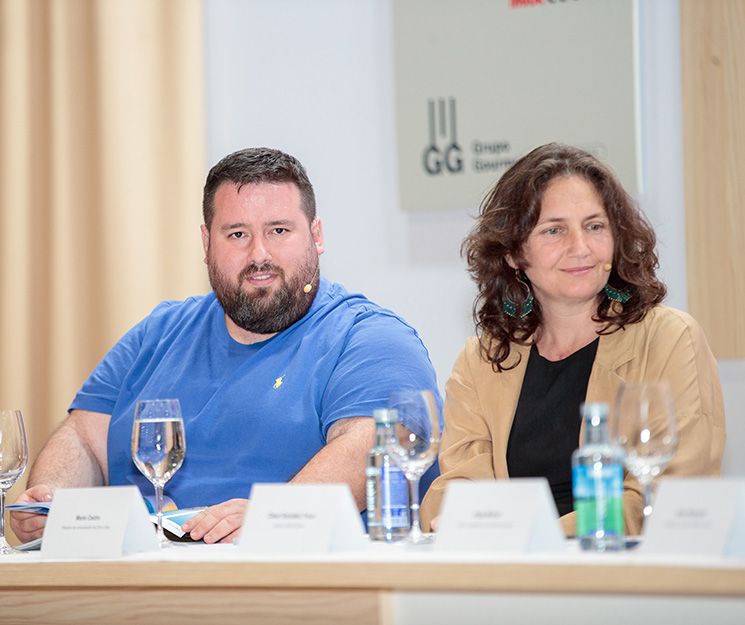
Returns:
(384,585)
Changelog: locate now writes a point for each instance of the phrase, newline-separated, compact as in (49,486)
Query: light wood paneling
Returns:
(713,77)
(186,607)
(324,592)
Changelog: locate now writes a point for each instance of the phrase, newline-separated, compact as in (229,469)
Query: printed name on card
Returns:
(301,519)
(515,515)
(104,522)
(697,516)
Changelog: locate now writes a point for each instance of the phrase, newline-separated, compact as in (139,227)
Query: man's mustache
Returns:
(253,269)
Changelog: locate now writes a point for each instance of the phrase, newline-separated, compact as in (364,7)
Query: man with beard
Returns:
(277,371)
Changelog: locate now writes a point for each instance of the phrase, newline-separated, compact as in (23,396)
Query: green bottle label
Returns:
(598,499)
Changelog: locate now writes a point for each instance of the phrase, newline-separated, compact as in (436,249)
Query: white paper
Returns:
(513,516)
(105,522)
(174,519)
(697,516)
(301,519)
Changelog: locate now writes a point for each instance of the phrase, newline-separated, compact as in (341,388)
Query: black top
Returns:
(545,430)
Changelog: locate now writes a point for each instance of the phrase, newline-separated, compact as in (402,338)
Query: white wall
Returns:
(316,80)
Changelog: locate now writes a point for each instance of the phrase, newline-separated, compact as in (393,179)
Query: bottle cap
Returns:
(594,413)
(384,416)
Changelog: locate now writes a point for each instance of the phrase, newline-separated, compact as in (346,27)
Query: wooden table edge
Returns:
(441,577)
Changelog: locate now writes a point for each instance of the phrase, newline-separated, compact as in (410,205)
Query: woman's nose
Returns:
(578,242)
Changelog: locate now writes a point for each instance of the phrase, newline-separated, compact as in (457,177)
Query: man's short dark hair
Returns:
(256,165)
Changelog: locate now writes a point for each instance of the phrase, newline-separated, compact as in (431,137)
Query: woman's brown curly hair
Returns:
(508,214)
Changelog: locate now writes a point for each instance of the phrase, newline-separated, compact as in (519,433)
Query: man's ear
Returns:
(205,241)
(316,231)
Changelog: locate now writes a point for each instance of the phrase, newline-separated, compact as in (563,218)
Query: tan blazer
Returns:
(666,345)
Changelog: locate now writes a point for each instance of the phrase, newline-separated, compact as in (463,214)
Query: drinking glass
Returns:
(414,444)
(644,425)
(13,459)
(158,447)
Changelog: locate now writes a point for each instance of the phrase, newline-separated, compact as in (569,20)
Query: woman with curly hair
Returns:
(568,308)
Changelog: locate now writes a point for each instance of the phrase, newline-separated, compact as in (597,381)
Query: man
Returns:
(277,370)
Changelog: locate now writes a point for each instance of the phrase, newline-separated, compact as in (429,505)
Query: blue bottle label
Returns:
(598,498)
(395,496)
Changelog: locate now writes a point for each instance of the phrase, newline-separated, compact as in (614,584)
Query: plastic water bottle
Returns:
(597,478)
(387,489)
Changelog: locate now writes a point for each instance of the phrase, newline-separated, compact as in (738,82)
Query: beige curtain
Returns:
(101,169)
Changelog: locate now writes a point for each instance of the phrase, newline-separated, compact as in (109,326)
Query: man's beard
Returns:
(262,312)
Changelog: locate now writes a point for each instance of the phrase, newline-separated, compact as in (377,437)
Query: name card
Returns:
(515,516)
(697,516)
(301,519)
(106,522)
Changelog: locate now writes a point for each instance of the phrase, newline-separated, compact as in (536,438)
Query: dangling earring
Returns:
(616,295)
(510,308)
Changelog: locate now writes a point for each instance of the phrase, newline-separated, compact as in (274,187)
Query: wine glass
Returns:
(644,425)
(414,445)
(158,447)
(13,459)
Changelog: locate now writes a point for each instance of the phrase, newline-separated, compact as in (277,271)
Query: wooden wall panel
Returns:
(713,78)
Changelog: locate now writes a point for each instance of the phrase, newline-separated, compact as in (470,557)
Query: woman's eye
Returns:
(596,227)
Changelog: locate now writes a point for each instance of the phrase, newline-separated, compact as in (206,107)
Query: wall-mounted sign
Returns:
(481,82)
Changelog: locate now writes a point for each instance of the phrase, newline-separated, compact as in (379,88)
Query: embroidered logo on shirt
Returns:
(278,382)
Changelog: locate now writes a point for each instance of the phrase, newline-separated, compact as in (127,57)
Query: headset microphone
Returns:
(309,287)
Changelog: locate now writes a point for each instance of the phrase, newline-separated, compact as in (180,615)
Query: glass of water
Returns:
(13,460)
(158,447)
(414,444)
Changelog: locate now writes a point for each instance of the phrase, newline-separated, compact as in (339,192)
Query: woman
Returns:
(568,309)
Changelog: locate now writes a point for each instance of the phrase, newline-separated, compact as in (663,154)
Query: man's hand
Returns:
(342,459)
(219,523)
(28,526)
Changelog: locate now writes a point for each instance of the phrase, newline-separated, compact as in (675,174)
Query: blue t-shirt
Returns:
(252,413)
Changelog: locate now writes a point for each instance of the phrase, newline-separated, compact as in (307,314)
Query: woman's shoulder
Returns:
(661,326)
(472,345)
(476,348)
(665,319)
(662,330)
(471,354)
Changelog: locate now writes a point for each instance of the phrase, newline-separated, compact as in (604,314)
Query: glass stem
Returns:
(2,517)
(416,530)
(647,489)
(159,511)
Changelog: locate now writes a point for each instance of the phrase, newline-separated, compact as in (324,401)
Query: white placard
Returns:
(697,516)
(105,522)
(515,515)
(302,519)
